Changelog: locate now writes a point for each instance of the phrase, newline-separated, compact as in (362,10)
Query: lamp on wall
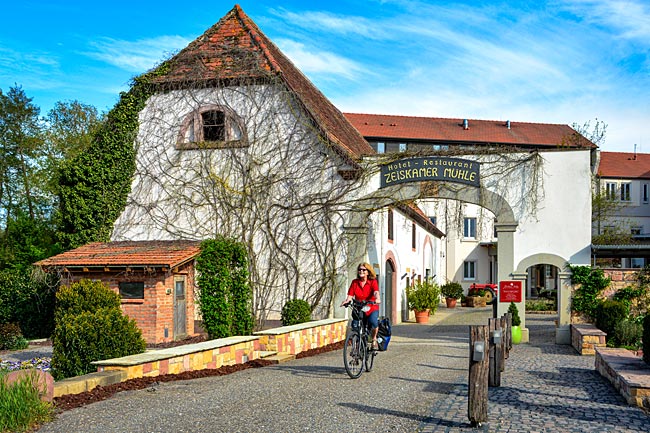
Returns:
(405,275)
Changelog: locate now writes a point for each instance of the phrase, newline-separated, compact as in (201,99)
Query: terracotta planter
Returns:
(451,302)
(422,316)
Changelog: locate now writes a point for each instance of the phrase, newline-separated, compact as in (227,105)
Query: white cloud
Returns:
(630,18)
(319,62)
(135,56)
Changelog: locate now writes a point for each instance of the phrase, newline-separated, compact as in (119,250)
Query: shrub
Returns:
(586,298)
(628,334)
(21,406)
(608,314)
(423,296)
(11,338)
(84,295)
(540,305)
(27,298)
(225,296)
(514,312)
(296,311)
(452,289)
(646,339)
(90,327)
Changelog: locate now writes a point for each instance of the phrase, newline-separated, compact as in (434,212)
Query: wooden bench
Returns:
(585,337)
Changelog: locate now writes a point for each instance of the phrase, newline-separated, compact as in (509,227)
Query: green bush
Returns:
(424,296)
(540,305)
(608,314)
(452,289)
(90,327)
(225,296)
(628,334)
(296,311)
(27,298)
(21,407)
(592,282)
(646,339)
(514,312)
(84,295)
(11,338)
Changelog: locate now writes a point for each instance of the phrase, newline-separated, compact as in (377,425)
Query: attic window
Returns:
(211,127)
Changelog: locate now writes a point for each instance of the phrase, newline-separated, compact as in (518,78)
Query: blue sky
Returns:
(558,61)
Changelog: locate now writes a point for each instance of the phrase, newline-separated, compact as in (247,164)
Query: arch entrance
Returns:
(544,233)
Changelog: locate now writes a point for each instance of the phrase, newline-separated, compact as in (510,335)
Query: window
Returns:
(637,262)
(635,230)
(413,240)
(469,270)
(390,224)
(211,126)
(469,228)
(381,148)
(610,190)
(132,290)
(433,220)
(402,147)
(625,192)
(645,193)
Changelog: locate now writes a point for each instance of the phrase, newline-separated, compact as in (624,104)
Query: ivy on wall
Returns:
(95,184)
(225,297)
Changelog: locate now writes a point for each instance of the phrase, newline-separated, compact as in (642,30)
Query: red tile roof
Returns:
(235,48)
(410,128)
(624,165)
(128,253)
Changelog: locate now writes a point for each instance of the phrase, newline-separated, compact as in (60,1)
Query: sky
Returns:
(575,62)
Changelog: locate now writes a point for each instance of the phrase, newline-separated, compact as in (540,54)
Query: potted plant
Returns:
(423,298)
(452,291)
(516,323)
(476,297)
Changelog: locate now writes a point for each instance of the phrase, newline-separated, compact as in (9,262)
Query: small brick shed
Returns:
(155,280)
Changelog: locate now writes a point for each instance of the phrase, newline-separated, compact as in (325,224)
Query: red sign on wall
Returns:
(509,291)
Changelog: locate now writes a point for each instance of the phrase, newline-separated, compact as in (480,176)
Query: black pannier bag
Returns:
(383,336)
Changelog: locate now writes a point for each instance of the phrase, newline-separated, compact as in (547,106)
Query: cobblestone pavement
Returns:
(545,388)
(418,385)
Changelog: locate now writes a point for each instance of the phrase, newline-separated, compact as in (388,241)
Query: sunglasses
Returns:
(362,269)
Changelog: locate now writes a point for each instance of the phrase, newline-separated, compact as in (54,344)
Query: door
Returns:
(387,296)
(180,311)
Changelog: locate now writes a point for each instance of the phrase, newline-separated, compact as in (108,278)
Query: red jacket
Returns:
(365,293)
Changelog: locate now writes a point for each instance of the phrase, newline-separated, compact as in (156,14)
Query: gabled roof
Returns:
(435,129)
(414,212)
(624,165)
(234,49)
(129,253)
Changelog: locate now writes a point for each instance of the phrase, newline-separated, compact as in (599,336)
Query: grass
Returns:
(21,407)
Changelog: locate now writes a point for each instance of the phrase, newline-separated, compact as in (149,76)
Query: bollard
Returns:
(503,321)
(478,375)
(496,344)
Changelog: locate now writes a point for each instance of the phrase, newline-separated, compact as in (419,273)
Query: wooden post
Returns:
(509,333)
(494,377)
(503,321)
(478,377)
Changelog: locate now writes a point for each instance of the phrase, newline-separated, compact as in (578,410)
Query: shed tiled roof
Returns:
(235,48)
(624,165)
(435,129)
(127,253)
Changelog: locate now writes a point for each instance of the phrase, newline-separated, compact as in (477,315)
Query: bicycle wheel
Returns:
(353,355)
(370,358)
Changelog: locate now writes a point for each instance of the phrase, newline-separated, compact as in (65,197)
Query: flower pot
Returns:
(451,302)
(516,334)
(422,316)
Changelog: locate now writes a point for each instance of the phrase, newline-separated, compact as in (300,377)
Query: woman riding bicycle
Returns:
(365,288)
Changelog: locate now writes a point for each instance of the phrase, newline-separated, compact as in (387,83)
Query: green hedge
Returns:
(225,296)
(296,311)
(608,314)
(90,327)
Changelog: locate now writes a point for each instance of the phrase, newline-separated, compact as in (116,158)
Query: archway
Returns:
(563,330)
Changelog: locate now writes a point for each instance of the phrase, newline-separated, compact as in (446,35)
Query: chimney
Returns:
(465,124)
(508,124)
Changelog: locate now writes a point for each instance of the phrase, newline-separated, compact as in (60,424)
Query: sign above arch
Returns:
(430,168)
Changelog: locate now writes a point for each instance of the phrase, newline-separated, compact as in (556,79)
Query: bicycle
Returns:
(357,352)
